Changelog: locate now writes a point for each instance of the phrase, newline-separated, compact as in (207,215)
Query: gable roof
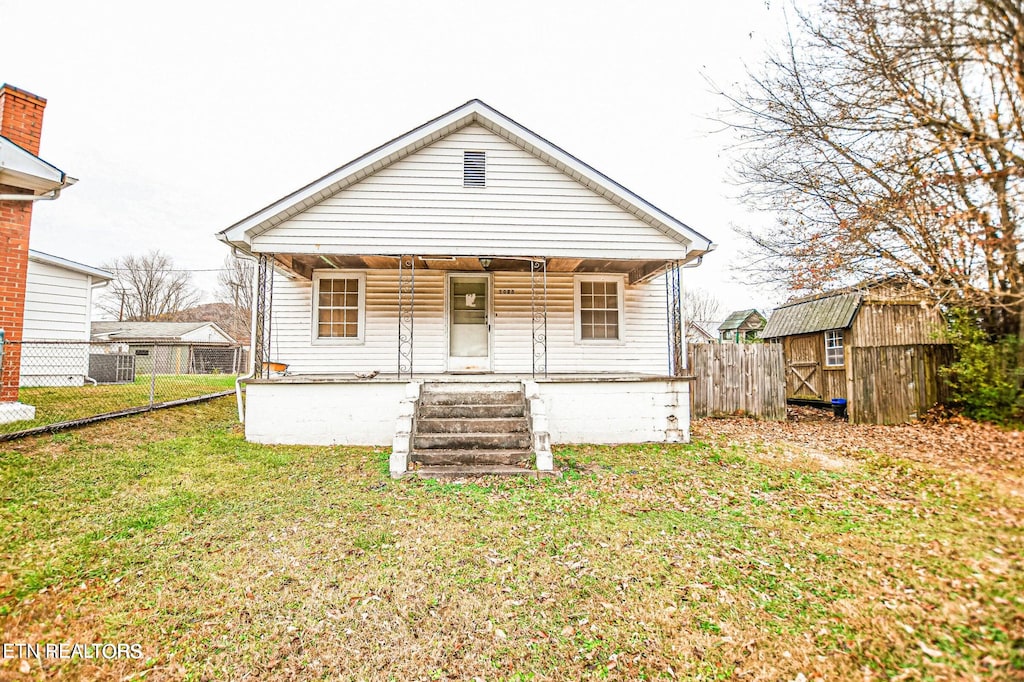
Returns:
(820,313)
(74,266)
(161,331)
(737,318)
(475,111)
(708,328)
(21,168)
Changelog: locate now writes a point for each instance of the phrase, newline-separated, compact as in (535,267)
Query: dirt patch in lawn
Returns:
(814,435)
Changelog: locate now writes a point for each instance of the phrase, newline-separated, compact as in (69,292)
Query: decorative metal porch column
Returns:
(264,304)
(406,316)
(674,316)
(539,315)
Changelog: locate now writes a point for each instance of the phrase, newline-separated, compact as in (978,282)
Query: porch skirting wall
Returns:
(352,413)
(617,411)
(579,410)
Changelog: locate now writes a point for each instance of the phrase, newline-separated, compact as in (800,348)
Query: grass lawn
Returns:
(227,560)
(57,404)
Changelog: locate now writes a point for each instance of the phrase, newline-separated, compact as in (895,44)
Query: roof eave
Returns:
(241,233)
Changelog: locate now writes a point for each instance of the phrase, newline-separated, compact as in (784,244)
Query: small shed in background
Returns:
(878,346)
(742,326)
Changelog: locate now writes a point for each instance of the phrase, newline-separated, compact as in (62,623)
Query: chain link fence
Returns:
(68,383)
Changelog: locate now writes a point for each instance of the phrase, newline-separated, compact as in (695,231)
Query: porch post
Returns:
(674,318)
(261,315)
(539,315)
(406,310)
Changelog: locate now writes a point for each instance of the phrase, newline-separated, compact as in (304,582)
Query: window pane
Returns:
(586,288)
(324,330)
(324,316)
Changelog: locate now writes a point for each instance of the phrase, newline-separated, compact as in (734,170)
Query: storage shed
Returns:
(833,344)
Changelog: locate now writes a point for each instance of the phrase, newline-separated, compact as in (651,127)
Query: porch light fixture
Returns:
(486,262)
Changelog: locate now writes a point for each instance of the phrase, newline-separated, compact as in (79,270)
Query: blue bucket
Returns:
(839,408)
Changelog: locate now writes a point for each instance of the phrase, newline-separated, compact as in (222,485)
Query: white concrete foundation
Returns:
(619,411)
(300,411)
(16,412)
(343,413)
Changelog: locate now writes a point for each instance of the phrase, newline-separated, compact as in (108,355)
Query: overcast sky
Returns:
(181,118)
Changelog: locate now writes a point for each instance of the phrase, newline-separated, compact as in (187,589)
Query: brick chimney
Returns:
(21,122)
(21,117)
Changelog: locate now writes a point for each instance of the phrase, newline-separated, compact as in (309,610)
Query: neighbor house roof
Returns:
(23,169)
(707,327)
(820,313)
(161,331)
(736,319)
(74,266)
(475,111)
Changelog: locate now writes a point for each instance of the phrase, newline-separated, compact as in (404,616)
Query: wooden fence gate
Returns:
(897,384)
(738,378)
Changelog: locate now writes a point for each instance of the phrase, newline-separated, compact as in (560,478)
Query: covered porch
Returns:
(409,315)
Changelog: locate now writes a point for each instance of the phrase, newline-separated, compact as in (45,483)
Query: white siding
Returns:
(643,349)
(57,307)
(57,303)
(418,205)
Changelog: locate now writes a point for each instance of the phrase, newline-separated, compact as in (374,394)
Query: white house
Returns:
(58,308)
(502,293)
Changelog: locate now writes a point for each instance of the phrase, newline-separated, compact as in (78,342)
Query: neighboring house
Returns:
(171,347)
(819,334)
(469,250)
(702,331)
(742,326)
(25,178)
(58,307)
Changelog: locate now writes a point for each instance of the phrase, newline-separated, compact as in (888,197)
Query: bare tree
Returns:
(148,287)
(234,286)
(888,138)
(701,304)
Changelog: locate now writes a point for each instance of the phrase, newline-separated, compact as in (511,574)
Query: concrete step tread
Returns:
(472,387)
(488,441)
(472,425)
(476,411)
(468,471)
(469,457)
(472,398)
(457,451)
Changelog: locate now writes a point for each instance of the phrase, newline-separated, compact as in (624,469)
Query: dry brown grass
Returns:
(729,558)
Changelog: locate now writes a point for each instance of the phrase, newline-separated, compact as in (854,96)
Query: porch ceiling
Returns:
(303,265)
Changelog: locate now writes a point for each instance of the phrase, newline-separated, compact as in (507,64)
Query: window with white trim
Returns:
(338,306)
(599,308)
(835,355)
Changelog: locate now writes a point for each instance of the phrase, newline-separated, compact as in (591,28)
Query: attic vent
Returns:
(474,169)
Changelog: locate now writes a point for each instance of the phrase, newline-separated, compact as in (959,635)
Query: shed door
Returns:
(803,367)
(469,323)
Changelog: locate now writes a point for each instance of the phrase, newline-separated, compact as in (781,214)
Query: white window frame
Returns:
(318,276)
(841,346)
(620,280)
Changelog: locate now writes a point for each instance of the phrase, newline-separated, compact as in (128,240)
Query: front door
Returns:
(469,323)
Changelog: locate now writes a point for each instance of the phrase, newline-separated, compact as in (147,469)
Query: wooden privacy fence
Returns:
(896,384)
(738,378)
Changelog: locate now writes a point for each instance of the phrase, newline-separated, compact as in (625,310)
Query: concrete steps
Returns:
(471,424)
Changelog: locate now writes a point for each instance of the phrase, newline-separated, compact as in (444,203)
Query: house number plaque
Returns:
(507,291)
